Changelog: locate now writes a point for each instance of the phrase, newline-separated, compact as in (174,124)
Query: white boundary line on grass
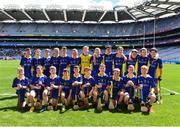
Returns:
(171,91)
(7,94)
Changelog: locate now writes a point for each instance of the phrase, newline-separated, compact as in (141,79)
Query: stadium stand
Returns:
(153,23)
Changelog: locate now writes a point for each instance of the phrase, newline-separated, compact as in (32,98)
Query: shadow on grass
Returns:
(8,98)
(12,108)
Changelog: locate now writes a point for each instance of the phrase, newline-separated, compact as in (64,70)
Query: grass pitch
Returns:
(166,114)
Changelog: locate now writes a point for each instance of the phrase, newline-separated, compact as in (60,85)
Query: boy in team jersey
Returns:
(63,60)
(142,60)
(26,63)
(131,84)
(116,89)
(37,86)
(146,85)
(155,68)
(101,87)
(55,59)
(131,60)
(37,60)
(75,60)
(85,59)
(108,58)
(119,60)
(96,60)
(77,81)
(52,86)
(20,84)
(65,89)
(46,62)
(87,86)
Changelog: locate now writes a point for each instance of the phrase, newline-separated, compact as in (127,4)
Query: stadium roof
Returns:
(93,14)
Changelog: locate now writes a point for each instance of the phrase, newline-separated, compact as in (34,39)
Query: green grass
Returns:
(166,114)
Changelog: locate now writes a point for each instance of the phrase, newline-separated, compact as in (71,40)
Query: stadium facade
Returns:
(155,22)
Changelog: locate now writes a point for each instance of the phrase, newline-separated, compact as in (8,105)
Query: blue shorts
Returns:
(86,91)
(21,95)
(101,92)
(54,93)
(75,91)
(144,96)
(115,94)
(39,94)
(66,91)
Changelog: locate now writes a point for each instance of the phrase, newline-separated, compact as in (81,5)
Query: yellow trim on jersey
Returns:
(21,78)
(158,72)
(136,67)
(102,75)
(53,76)
(41,75)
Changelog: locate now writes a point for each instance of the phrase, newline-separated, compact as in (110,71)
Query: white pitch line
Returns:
(7,94)
(170,90)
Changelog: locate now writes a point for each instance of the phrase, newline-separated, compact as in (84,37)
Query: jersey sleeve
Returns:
(136,81)
(121,84)
(152,83)
(93,82)
(46,82)
(14,84)
(22,62)
(26,82)
(108,80)
(32,82)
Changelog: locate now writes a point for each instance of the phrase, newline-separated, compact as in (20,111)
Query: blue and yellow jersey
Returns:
(85,62)
(130,89)
(96,64)
(38,79)
(130,61)
(46,65)
(55,62)
(147,83)
(22,82)
(90,80)
(22,91)
(66,84)
(36,62)
(26,63)
(142,61)
(102,80)
(119,63)
(117,84)
(154,67)
(78,78)
(56,82)
(73,62)
(63,63)
(108,61)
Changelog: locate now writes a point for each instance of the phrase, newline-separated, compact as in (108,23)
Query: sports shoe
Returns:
(130,107)
(43,109)
(63,109)
(75,107)
(143,107)
(50,107)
